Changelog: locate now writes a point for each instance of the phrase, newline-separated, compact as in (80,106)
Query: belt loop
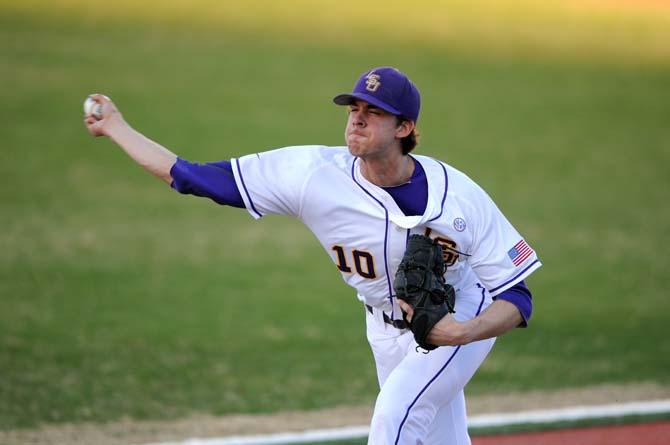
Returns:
(398,324)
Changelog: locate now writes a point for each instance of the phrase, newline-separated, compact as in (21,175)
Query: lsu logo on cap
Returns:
(372,82)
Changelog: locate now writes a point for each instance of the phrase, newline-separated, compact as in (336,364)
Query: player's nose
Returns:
(358,119)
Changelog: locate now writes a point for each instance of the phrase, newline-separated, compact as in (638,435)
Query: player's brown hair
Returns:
(409,142)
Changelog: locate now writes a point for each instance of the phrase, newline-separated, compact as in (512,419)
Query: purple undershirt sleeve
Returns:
(519,295)
(213,180)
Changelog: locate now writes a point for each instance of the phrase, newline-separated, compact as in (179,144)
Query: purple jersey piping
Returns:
(446,187)
(515,277)
(481,303)
(246,192)
(386,230)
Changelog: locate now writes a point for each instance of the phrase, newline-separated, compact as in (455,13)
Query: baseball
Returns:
(92,108)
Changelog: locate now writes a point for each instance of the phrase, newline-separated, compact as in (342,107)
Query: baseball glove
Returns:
(419,282)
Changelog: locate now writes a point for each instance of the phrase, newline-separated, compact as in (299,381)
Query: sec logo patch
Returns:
(459,224)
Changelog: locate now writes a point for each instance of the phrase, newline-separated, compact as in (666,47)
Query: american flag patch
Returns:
(520,252)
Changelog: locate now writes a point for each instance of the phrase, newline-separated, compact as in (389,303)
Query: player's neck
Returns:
(388,171)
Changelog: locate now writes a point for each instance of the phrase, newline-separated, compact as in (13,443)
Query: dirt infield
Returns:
(129,431)
(656,433)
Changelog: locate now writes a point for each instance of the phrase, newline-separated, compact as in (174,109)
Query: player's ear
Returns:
(404,128)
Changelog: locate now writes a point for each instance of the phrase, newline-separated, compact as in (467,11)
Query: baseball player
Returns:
(364,201)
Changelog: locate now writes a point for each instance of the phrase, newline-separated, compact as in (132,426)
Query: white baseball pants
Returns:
(421,399)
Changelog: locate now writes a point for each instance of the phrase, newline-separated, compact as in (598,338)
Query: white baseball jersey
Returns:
(364,231)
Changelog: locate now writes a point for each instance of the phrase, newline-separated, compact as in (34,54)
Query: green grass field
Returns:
(120,298)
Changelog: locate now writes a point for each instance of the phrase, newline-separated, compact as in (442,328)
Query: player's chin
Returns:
(355,148)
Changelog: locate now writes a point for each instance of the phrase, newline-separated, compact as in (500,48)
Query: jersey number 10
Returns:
(363,261)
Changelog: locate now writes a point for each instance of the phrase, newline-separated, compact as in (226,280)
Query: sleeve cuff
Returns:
(519,295)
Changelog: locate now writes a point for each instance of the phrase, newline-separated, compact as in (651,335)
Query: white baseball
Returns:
(92,108)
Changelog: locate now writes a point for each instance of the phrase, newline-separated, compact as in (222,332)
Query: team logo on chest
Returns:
(372,82)
(449,247)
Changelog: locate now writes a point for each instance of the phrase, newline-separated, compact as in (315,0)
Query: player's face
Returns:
(371,132)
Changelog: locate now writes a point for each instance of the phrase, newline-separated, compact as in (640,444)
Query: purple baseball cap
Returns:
(387,88)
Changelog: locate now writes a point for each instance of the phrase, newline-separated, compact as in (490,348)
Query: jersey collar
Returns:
(436,175)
